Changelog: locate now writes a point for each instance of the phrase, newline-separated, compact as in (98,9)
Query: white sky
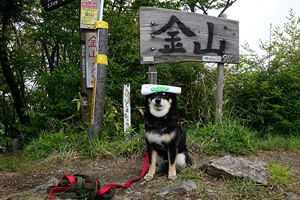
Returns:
(255,17)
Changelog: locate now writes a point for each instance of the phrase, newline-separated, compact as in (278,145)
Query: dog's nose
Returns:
(157,101)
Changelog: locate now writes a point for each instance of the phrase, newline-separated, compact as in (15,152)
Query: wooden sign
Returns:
(88,13)
(90,55)
(53,4)
(168,36)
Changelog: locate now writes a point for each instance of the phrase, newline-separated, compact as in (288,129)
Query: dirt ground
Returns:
(16,185)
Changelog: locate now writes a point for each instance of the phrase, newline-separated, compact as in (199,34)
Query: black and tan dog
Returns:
(165,138)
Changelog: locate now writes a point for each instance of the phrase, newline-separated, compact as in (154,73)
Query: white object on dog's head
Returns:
(153,88)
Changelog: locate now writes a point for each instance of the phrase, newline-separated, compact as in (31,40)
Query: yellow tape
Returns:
(100,24)
(92,119)
(101,59)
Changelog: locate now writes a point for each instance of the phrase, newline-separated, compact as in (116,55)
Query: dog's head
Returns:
(160,103)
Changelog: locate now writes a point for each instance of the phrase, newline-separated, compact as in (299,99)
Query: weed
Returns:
(247,189)
(191,173)
(43,146)
(274,142)
(116,146)
(228,136)
(279,174)
(11,163)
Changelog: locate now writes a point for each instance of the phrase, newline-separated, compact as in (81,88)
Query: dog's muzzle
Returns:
(158,103)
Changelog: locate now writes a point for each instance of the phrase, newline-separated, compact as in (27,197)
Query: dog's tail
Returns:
(188,159)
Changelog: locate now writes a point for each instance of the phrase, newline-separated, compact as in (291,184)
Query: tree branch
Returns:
(228,4)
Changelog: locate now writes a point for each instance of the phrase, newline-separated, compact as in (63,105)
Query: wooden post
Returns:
(152,74)
(220,88)
(219,94)
(86,93)
(97,112)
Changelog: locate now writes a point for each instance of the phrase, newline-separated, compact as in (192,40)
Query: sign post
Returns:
(220,88)
(88,37)
(169,36)
(126,108)
(97,110)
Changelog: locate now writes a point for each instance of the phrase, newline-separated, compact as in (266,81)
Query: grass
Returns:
(221,138)
(18,162)
(275,142)
(279,174)
(11,162)
(247,189)
(190,173)
(69,144)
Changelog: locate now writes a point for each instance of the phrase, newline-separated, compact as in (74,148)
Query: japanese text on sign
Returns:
(91,43)
(173,36)
(88,14)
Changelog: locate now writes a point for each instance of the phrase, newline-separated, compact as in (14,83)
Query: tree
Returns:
(10,14)
(205,5)
(267,98)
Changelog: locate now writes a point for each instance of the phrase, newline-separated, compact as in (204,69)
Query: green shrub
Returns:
(42,147)
(228,136)
(266,97)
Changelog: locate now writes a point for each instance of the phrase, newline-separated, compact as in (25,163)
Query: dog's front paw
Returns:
(148,177)
(172,176)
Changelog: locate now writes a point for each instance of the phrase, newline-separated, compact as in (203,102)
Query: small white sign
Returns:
(90,55)
(148,58)
(126,107)
(211,58)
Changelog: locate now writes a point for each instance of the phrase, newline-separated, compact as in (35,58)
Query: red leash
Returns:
(106,189)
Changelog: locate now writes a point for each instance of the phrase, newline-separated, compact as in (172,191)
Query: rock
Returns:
(183,187)
(292,196)
(238,167)
(212,194)
(43,188)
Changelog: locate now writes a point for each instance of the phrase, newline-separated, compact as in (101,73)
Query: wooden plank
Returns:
(168,36)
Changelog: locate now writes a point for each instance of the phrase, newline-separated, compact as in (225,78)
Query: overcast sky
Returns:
(255,17)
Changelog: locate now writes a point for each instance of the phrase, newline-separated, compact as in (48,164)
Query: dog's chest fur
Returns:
(161,131)
(158,137)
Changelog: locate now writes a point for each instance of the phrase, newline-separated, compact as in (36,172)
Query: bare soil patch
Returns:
(15,185)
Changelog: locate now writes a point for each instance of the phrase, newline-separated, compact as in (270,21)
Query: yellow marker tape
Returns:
(100,24)
(101,59)
(92,119)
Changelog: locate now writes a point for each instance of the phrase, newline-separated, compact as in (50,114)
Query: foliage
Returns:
(221,138)
(267,98)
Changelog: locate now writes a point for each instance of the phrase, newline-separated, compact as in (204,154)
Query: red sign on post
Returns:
(88,13)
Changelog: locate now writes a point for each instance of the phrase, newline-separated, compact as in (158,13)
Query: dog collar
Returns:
(153,88)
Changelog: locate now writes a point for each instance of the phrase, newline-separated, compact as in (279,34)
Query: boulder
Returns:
(292,196)
(238,167)
(185,186)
